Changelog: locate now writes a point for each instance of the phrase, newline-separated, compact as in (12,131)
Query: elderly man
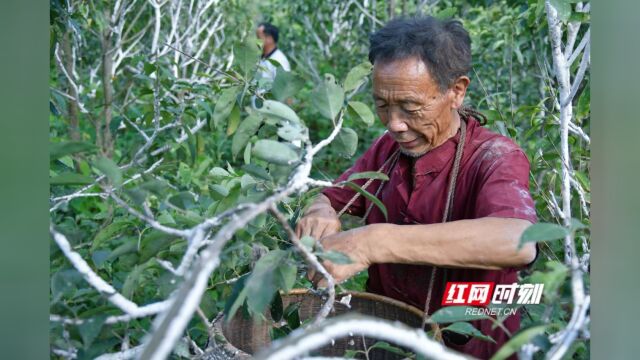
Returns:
(457,196)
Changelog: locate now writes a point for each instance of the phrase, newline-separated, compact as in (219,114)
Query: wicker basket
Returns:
(245,337)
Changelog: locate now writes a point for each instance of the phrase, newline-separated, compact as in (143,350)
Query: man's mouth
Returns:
(409,144)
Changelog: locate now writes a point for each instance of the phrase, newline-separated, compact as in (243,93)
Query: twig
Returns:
(302,341)
(313,261)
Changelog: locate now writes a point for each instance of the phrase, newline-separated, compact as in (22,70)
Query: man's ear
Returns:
(459,90)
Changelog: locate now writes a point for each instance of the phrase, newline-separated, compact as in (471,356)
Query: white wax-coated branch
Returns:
(169,325)
(117,299)
(149,220)
(580,302)
(71,80)
(302,341)
(313,261)
(586,38)
(579,319)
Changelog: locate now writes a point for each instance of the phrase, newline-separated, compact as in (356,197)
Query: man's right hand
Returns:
(319,220)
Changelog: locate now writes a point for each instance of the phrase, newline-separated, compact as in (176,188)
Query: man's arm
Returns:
(485,243)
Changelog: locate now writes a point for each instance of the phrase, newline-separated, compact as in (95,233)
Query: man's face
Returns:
(261,35)
(411,106)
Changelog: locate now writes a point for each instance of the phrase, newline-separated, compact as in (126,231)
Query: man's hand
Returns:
(352,243)
(319,220)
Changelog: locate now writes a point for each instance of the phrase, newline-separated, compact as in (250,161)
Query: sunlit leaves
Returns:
(563,7)
(328,97)
(346,143)
(357,76)
(246,57)
(246,129)
(362,112)
(285,85)
(274,152)
(110,169)
(225,104)
(278,111)
(368,175)
(517,341)
(543,232)
(369,196)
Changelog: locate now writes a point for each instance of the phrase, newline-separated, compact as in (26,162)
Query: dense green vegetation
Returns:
(153,133)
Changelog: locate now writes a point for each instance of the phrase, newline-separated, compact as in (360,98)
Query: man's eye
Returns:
(411,111)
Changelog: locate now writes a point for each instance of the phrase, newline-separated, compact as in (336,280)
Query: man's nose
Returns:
(396,122)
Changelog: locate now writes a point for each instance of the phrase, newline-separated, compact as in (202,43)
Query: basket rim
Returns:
(219,321)
(366,296)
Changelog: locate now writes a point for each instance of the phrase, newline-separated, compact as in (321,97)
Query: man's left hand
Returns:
(352,243)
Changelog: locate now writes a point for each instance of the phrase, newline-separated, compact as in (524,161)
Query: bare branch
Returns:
(304,340)
(117,299)
(313,261)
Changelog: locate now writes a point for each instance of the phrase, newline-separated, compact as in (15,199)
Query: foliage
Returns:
(147,131)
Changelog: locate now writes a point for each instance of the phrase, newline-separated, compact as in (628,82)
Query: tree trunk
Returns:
(72,105)
(103,133)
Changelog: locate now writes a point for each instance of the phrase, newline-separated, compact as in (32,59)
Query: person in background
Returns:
(268,34)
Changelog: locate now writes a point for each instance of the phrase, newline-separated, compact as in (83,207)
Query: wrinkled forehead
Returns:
(410,70)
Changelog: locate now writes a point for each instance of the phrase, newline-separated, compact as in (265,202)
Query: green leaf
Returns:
(293,132)
(450,314)
(328,97)
(308,242)
(446,13)
(286,276)
(246,57)
(58,150)
(278,111)
(563,7)
(285,85)
(225,104)
(583,108)
(236,299)
(109,232)
(262,285)
(292,315)
(276,308)
(70,179)
(274,152)
(346,143)
(369,196)
(542,232)
(234,121)
(153,243)
(517,341)
(90,329)
(335,257)
(368,175)
(357,75)
(467,329)
(362,112)
(388,347)
(110,169)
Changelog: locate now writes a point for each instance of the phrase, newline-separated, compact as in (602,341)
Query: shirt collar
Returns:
(269,54)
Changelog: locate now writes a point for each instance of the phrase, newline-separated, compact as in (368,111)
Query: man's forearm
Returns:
(487,243)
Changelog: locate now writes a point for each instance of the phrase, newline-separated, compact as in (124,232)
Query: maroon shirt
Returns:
(493,181)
